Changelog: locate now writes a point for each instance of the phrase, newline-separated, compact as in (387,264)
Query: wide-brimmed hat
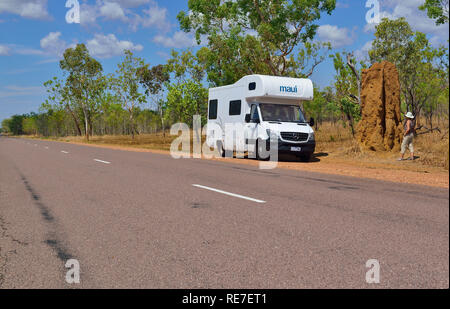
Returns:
(410,115)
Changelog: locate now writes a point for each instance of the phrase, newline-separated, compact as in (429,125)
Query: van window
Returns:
(252,86)
(235,108)
(213,109)
(254,116)
(281,113)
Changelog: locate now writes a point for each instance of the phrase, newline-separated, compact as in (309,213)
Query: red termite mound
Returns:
(380,128)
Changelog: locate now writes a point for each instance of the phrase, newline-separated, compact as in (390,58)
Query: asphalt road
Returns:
(143,220)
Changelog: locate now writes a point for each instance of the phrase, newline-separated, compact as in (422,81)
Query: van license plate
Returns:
(296,149)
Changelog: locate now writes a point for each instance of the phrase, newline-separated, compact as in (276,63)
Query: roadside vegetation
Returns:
(335,144)
(136,105)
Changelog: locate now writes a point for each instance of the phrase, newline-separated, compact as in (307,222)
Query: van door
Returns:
(251,128)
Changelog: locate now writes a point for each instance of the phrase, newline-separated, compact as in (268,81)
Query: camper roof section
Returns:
(263,88)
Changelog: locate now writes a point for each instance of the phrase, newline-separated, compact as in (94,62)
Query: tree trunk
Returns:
(350,123)
(417,111)
(86,116)
(86,124)
(91,125)
(131,123)
(162,123)
(77,124)
(357,75)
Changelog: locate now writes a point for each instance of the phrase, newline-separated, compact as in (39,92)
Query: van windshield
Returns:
(281,113)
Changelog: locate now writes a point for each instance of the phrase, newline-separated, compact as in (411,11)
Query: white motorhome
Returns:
(261,108)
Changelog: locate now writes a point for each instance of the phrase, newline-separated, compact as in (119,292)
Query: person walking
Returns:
(408,138)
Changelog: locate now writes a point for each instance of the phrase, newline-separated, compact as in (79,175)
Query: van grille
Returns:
(294,136)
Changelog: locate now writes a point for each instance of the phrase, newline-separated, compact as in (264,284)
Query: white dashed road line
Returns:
(230,194)
(101,161)
(64,152)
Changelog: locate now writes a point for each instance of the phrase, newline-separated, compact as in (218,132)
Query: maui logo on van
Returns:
(288,89)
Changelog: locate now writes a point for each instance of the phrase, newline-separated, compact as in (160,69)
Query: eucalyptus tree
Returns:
(254,36)
(154,80)
(84,75)
(59,97)
(436,9)
(416,60)
(187,95)
(6,125)
(347,86)
(126,85)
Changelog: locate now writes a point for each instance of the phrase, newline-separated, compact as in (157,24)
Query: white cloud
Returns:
(5,50)
(36,9)
(154,16)
(112,10)
(363,52)
(88,14)
(28,51)
(180,39)
(19,71)
(108,10)
(418,19)
(338,37)
(52,44)
(19,91)
(151,16)
(438,40)
(342,5)
(51,60)
(106,46)
(130,3)
(163,55)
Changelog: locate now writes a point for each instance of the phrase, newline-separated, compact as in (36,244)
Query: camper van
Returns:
(257,110)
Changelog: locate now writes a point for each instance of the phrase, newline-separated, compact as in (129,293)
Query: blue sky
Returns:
(34,34)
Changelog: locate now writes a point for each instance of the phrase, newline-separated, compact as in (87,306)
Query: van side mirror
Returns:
(248,118)
(312,122)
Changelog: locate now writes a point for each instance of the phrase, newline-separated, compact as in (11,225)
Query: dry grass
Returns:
(432,149)
(335,144)
(334,137)
(144,141)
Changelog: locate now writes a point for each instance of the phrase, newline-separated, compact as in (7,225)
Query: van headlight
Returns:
(312,137)
(271,134)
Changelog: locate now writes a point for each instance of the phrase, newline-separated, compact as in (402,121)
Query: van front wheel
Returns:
(260,150)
